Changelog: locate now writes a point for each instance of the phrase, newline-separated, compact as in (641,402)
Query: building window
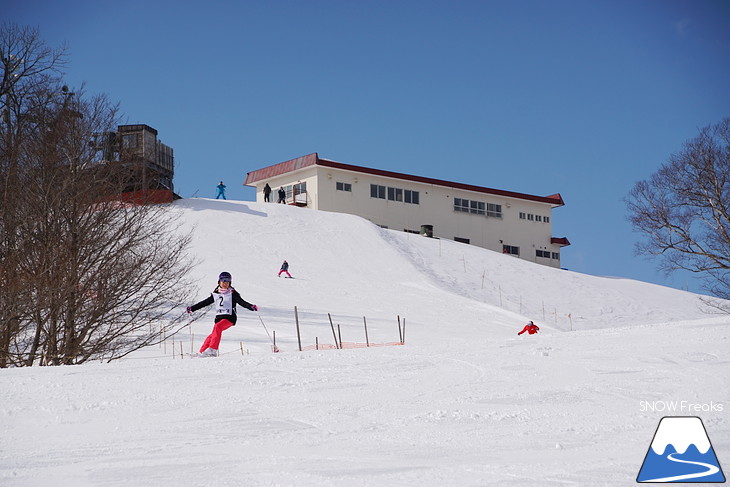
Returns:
(461,205)
(476,207)
(377,191)
(295,189)
(510,249)
(494,210)
(129,141)
(395,194)
(546,219)
(523,215)
(462,240)
(300,188)
(411,196)
(542,253)
(531,217)
(556,255)
(538,218)
(344,187)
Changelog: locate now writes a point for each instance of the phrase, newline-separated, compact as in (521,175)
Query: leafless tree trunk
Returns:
(683,210)
(29,67)
(84,275)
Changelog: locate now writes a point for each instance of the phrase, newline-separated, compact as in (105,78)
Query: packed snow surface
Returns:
(464,402)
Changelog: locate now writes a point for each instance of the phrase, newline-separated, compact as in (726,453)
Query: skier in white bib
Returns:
(225,299)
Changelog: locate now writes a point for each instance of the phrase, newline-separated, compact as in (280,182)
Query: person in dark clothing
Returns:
(267,193)
(225,299)
(282,196)
(285,269)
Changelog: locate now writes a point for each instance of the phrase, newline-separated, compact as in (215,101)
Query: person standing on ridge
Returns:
(225,299)
(221,191)
(530,328)
(267,193)
(282,196)
(285,269)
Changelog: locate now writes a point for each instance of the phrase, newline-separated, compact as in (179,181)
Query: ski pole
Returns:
(276,349)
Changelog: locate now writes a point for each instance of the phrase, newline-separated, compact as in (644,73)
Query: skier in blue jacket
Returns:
(221,191)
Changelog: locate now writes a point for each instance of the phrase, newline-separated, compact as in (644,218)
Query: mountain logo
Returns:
(681,452)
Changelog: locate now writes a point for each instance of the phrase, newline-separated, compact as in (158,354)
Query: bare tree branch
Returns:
(84,275)
(683,210)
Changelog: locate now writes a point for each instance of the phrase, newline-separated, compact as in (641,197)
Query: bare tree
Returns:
(89,276)
(29,68)
(683,210)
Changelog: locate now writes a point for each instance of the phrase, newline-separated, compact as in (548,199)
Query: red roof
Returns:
(313,160)
(560,241)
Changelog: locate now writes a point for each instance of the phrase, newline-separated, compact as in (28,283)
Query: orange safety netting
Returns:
(343,345)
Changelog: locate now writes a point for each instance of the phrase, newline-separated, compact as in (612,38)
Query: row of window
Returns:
(535,218)
(394,194)
(506,249)
(294,189)
(546,254)
(510,249)
(478,207)
(460,204)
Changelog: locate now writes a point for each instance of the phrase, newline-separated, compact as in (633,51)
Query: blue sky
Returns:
(582,98)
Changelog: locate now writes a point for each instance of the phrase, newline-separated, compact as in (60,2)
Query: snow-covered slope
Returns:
(345,265)
(465,402)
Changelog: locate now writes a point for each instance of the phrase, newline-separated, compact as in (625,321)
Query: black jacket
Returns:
(236,298)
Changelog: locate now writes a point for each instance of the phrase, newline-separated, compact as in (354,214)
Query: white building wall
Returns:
(435,207)
(307,175)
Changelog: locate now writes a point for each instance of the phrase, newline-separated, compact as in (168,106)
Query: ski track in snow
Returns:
(466,402)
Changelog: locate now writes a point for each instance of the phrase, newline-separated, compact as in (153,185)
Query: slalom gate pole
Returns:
(273,343)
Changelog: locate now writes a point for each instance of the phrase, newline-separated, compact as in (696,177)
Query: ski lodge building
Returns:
(504,221)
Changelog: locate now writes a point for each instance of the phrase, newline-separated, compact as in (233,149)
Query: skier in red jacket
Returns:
(530,328)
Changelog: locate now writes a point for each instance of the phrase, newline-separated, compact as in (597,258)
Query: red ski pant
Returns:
(214,339)
(287,272)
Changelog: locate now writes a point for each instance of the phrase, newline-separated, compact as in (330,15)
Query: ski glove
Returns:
(189,310)
(254,307)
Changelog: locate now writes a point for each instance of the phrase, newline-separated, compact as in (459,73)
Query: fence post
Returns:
(333,331)
(299,337)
